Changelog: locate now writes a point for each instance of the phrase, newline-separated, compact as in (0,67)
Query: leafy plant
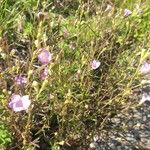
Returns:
(66,67)
(5,136)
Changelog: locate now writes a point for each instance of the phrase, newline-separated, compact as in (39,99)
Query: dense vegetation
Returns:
(92,51)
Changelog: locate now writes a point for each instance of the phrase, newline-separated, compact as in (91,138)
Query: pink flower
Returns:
(19,103)
(145,68)
(20,80)
(145,97)
(127,12)
(44,73)
(95,64)
(45,57)
(108,8)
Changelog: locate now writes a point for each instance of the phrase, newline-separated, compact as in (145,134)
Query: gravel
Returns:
(127,131)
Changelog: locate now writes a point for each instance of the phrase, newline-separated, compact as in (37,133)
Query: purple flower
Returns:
(145,97)
(19,103)
(145,68)
(44,73)
(127,12)
(95,64)
(45,57)
(20,80)
(108,8)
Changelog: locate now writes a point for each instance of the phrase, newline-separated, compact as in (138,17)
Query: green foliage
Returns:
(5,136)
(73,100)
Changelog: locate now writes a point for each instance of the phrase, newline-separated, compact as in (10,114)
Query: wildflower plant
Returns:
(74,66)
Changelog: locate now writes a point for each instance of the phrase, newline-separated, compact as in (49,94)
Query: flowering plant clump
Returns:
(19,103)
(77,62)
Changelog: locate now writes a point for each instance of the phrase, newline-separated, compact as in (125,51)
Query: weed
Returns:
(77,61)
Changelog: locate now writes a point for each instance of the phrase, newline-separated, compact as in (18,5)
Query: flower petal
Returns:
(16,108)
(108,8)
(145,68)
(95,64)
(44,73)
(145,97)
(45,57)
(20,80)
(127,12)
(26,102)
(14,99)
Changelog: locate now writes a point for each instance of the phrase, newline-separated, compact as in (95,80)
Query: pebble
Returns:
(144,118)
(93,145)
(126,133)
(115,120)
